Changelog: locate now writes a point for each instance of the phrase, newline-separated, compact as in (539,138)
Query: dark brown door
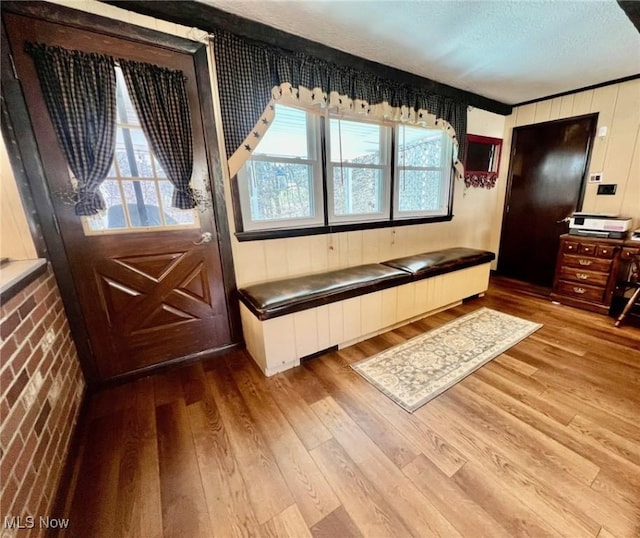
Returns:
(148,276)
(546,175)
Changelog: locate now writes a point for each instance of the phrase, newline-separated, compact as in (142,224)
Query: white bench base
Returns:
(277,344)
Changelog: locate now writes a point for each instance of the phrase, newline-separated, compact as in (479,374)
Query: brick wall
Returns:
(41,386)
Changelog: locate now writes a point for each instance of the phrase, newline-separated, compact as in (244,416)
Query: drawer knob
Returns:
(579,290)
(582,276)
(585,262)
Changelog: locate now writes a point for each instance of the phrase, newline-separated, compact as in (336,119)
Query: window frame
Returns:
(314,150)
(324,225)
(445,196)
(386,152)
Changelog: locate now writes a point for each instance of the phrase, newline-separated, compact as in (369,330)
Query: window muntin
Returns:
(136,191)
(290,184)
(358,170)
(281,184)
(422,172)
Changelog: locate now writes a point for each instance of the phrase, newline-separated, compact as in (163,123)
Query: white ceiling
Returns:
(511,51)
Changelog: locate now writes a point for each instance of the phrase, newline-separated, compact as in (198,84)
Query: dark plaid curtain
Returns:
(80,92)
(159,96)
(247,71)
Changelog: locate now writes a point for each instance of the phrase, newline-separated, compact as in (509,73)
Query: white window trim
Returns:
(446,181)
(317,206)
(385,156)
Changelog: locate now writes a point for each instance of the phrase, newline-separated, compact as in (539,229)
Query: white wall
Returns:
(617,155)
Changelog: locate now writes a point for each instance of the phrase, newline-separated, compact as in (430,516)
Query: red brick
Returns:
(23,331)
(34,362)
(9,325)
(38,457)
(6,378)
(4,410)
(25,308)
(42,417)
(17,386)
(11,423)
(10,458)
(20,359)
(12,304)
(9,347)
(26,456)
(36,336)
(24,490)
(9,493)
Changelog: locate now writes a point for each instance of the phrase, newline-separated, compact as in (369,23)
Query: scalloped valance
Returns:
(252,77)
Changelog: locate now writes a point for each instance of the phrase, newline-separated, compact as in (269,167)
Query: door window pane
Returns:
(137,193)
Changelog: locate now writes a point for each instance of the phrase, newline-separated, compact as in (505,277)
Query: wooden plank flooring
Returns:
(542,441)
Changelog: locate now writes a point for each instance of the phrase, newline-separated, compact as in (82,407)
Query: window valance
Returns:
(253,76)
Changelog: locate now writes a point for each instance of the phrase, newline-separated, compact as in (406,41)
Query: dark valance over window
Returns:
(251,76)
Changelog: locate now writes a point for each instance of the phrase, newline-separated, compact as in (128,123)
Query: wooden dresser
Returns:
(586,272)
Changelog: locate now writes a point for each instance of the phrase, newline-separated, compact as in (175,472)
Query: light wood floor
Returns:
(542,441)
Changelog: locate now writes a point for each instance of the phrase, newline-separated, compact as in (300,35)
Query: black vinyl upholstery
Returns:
(268,300)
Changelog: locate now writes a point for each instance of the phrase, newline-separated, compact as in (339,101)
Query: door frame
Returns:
(31,176)
(514,139)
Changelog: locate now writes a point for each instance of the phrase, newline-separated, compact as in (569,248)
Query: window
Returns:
(423,166)
(281,184)
(369,175)
(358,170)
(136,191)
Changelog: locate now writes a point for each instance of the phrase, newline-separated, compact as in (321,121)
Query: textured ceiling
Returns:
(511,51)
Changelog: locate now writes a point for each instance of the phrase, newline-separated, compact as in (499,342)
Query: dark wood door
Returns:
(546,176)
(151,289)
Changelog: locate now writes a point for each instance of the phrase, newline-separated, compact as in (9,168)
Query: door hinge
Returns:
(507,209)
(90,347)
(13,67)
(56,225)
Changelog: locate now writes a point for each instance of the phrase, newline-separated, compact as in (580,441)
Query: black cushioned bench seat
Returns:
(440,262)
(280,297)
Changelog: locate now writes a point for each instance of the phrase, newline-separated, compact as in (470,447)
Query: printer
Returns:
(599,225)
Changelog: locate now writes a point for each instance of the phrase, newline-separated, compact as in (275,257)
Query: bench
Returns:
(287,320)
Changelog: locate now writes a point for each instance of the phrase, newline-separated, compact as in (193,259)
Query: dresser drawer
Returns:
(584,262)
(605,251)
(580,291)
(592,278)
(571,246)
(587,249)
(628,254)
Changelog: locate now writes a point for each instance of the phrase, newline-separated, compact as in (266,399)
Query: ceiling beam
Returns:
(210,19)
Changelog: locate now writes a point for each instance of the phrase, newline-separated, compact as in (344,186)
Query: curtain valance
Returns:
(253,76)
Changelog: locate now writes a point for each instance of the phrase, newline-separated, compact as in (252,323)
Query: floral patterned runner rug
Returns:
(416,371)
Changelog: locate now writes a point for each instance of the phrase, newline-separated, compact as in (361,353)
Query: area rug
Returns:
(416,371)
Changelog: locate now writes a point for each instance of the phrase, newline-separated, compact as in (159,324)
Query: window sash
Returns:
(446,182)
(315,182)
(334,162)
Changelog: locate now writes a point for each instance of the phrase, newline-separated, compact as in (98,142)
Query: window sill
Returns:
(17,275)
(258,235)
